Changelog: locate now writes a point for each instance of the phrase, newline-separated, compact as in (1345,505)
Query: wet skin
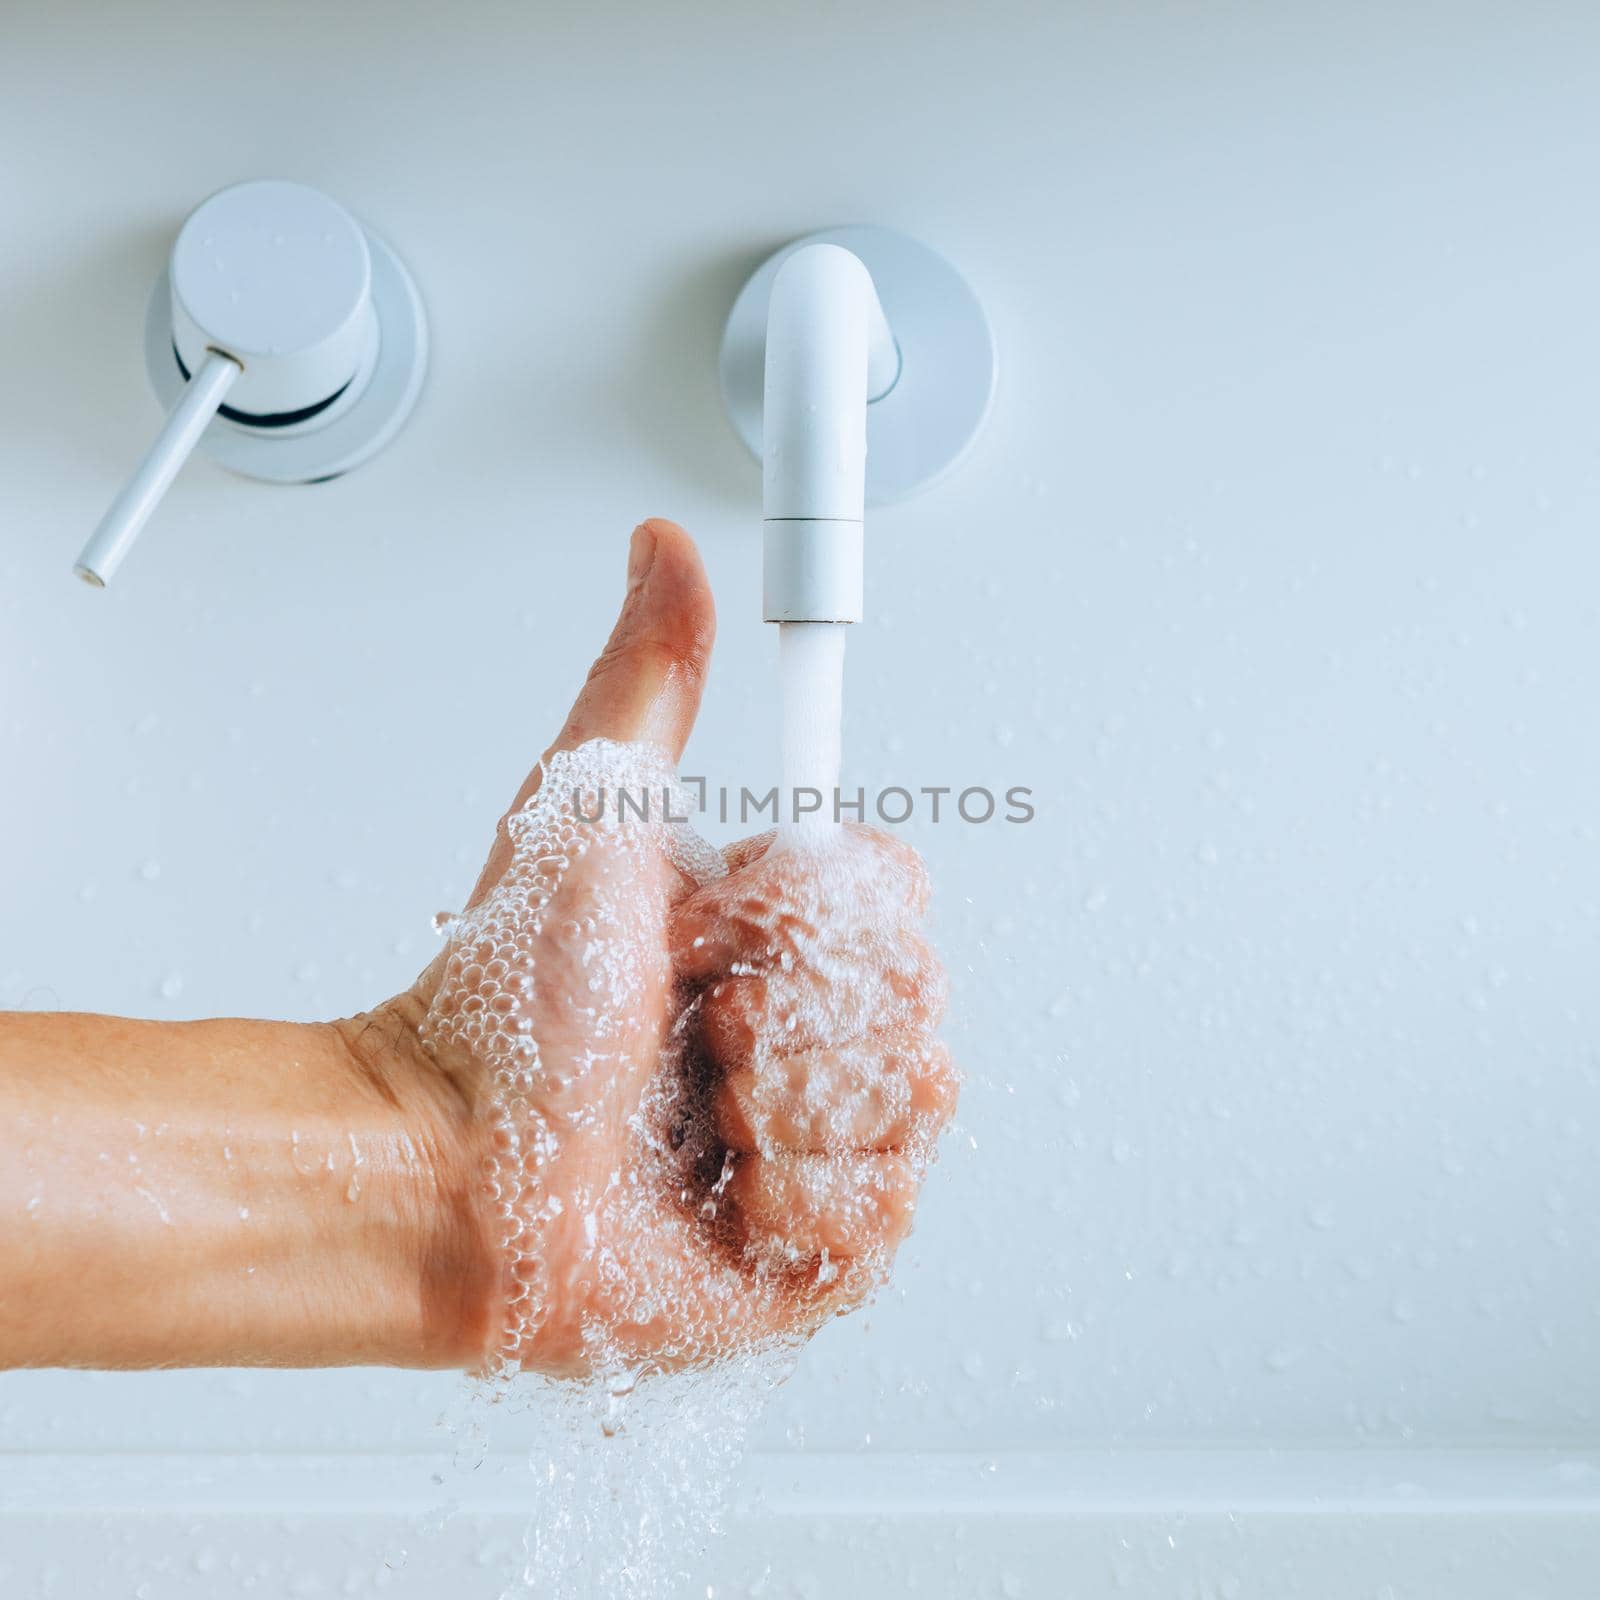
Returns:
(236,1192)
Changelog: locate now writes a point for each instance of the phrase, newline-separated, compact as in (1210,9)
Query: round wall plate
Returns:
(348,434)
(924,424)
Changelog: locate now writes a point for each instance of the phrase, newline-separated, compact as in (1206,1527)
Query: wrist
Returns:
(448,1267)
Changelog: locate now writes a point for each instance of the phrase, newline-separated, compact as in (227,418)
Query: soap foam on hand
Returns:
(710,1096)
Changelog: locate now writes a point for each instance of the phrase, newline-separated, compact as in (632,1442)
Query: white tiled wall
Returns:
(1274,576)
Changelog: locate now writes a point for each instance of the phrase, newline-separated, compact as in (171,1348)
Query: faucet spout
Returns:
(829,353)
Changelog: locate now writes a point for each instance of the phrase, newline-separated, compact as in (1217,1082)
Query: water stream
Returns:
(811,684)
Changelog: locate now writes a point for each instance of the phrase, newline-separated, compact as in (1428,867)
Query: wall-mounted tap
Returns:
(858,366)
(829,352)
(284,337)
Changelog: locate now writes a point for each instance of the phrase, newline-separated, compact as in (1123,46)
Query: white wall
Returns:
(1274,575)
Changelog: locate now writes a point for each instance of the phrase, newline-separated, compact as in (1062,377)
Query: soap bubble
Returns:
(709,1090)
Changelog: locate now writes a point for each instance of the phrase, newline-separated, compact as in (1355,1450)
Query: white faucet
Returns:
(829,354)
(812,374)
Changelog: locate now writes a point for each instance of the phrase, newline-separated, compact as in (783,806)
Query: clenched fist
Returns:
(698,1092)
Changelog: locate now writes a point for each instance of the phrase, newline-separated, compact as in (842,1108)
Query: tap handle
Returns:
(276,298)
(129,512)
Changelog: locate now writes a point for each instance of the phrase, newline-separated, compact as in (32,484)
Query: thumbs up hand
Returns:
(681,1102)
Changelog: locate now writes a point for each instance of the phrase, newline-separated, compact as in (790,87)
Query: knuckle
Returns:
(884,1201)
(747,1189)
(687,656)
(729,1016)
(935,989)
(899,1195)
(900,859)
(941,1088)
(916,983)
(736,1114)
(746,853)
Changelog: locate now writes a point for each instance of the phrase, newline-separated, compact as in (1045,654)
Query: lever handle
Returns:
(129,512)
(279,311)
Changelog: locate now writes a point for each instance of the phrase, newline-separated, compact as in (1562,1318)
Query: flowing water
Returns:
(811,678)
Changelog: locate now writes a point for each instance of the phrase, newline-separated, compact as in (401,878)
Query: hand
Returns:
(690,1101)
(648,1106)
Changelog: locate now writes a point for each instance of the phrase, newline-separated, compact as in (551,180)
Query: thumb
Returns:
(646,683)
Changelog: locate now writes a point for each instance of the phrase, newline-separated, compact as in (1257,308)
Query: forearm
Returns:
(227,1193)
